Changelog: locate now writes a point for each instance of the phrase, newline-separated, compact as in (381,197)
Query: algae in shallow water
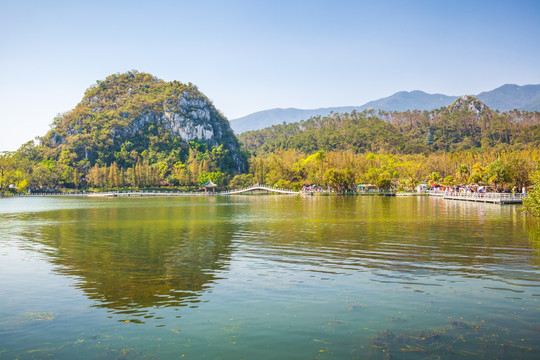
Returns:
(39,316)
(458,339)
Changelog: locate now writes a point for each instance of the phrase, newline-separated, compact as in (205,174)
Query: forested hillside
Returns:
(505,98)
(467,124)
(133,129)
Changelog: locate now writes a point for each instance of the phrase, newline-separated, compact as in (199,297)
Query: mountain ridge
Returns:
(504,98)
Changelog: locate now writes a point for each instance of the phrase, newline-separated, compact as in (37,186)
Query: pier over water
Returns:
(495,198)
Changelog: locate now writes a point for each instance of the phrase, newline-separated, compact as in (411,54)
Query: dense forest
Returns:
(466,125)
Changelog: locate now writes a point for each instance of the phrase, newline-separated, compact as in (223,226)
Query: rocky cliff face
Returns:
(469,103)
(136,111)
(191,120)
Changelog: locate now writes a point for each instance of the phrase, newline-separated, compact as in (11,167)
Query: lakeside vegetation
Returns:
(293,168)
(283,168)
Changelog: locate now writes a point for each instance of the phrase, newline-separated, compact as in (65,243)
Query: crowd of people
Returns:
(329,189)
(470,189)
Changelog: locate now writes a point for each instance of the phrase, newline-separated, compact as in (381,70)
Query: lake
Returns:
(267,277)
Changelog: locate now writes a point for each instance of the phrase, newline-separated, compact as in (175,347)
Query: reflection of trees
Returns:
(134,254)
(409,237)
(534,232)
(139,255)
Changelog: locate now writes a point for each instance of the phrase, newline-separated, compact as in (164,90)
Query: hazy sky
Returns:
(254,55)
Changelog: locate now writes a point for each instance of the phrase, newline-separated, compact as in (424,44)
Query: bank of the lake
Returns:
(267,277)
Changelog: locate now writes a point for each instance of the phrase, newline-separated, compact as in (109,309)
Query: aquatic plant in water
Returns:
(458,339)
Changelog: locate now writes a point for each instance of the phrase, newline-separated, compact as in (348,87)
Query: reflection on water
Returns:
(534,232)
(419,237)
(131,258)
(334,277)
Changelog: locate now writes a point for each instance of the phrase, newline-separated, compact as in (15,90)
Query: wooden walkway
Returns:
(135,193)
(138,193)
(494,198)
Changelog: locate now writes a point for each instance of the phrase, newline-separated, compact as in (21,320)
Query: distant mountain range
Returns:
(510,97)
(504,98)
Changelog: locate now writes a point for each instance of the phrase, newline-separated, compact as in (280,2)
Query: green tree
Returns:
(531,203)
(429,138)
(21,181)
(449,180)
(241,181)
(6,172)
(477,175)
(384,181)
(434,177)
(216,177)
(520,172)
(462,173)
(76,178)
(114,175)
(339,179)
(498,173)
(93,176)
(45,174)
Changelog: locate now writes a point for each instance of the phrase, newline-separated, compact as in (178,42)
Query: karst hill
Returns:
(136,115)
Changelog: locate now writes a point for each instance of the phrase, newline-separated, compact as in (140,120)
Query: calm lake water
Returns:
(267,277)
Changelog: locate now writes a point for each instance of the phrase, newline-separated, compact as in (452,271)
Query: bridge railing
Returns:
(150,193)
(75,193)
(489,195)
(166,193)
(258,187)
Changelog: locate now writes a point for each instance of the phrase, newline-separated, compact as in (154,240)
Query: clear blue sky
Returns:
(254,55)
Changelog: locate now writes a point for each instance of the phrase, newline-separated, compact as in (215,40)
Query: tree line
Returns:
(28,169)
(345,169)
(449,129)
(283,168)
